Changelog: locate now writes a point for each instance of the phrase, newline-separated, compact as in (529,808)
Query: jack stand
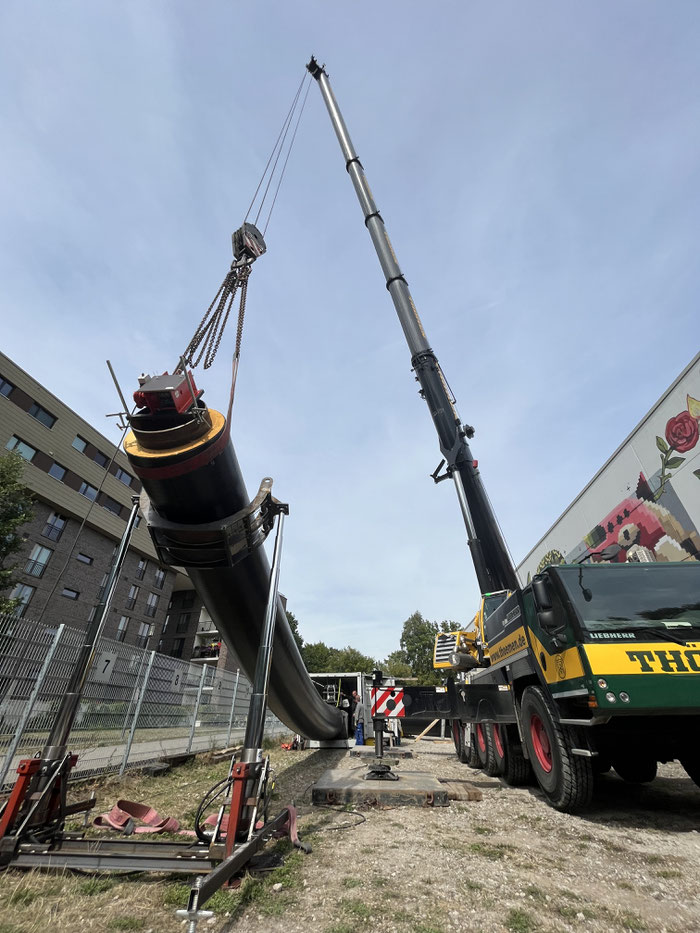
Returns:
(247,794)
(379,770)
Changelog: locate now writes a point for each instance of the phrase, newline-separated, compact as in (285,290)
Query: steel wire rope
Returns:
(285,130)
(274,148)
(289,152)
(209,333)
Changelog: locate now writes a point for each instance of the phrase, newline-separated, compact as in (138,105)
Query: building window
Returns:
(54,527)
(57,471)
(124,477)
(137,522)
(183,621)
(24,450)
(160,578)
(111,505)
(141,568)
(165,625)
(24,593)
(83,558)
(38,559)
(6,388)
(42,415)
(188,600)
(176,650)
(145,632)
(69,593)
(151,604)
(122,627)
(132,597)
(100,459)
(159,649)
(88,491)
(92,614)
(79,443)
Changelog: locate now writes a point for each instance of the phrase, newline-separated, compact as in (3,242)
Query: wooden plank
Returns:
(461,790)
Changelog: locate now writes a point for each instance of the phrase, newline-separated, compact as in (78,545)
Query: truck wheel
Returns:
(514,767)
(635,770)
(692,767)
(485,750)
(566,780)
(458,738)
(473,757)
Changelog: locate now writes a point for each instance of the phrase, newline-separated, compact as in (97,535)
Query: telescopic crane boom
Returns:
(494,569)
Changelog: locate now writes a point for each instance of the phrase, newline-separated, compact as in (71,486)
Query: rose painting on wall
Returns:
(652,524)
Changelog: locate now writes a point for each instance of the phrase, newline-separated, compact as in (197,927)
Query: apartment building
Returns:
(83,488)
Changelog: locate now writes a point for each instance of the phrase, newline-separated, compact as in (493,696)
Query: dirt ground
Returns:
(505,863)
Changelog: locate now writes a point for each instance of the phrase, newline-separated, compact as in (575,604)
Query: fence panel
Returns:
(138,706)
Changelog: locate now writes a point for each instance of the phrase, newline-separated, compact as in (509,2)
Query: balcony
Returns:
(52,532)
(208,652)
(34,568)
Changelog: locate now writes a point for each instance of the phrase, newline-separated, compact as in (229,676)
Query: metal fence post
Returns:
(30,703)
(233,706)
(137,713)
(134,692)
(196,706)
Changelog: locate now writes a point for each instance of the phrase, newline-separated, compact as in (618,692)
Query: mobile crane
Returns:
(583,667)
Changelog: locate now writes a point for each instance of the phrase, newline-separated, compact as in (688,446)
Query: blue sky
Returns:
(537,166)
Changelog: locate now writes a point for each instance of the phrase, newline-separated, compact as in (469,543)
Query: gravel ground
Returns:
(505,864)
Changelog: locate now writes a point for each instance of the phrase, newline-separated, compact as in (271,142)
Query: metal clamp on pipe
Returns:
(221,543)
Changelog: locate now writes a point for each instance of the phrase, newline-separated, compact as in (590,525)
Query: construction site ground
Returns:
(505,863)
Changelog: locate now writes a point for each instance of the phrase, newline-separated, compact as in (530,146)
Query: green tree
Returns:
(417,642)
(350,659)
(15,511)
(294,626)
(316,657)
(396,664)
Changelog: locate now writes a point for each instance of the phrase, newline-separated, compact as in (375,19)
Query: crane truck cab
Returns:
(465,649)
(592,666)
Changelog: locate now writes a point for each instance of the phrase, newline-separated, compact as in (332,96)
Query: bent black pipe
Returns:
(191,475)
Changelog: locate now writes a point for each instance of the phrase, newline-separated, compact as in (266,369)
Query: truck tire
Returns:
(473,757)
(485,751)
(514,767)
(635,770)
(458,737)
(566,780)
(691,765)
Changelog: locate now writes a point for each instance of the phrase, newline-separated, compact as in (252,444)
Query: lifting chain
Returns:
(207,337)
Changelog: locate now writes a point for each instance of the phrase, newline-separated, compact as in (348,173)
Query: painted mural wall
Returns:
(644,504)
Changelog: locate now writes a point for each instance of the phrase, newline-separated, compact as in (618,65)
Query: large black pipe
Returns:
(190,473)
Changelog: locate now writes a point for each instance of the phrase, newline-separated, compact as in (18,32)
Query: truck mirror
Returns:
(540,591)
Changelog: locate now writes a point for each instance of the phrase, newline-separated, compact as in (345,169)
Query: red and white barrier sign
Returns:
(387,701)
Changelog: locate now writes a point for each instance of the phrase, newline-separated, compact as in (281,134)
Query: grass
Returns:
(537,894)
(22,897)
(352,882)
(669,873)
(482,830)
(96,885)
(520,921)
(493,851)
(358,910)
(125,923)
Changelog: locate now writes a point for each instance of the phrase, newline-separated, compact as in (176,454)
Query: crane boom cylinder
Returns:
(494,568)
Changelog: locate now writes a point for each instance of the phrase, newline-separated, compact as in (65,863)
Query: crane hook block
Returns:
(248,243)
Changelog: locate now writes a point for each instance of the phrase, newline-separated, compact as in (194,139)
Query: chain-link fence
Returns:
(138,706)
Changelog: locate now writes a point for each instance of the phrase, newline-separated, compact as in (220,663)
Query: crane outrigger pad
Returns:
(417,788)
